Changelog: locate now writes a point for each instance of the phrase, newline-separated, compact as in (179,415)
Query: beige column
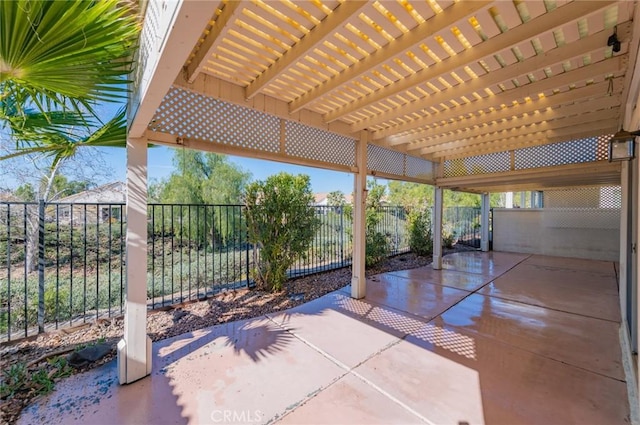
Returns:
(437,228)
(358,281)
(484,225)
(134,350)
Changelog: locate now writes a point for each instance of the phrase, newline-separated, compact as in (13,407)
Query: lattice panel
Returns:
(385,160)
(480,164)
(419,168)
(312,143)
(603,197)
(574,152)
(186,114)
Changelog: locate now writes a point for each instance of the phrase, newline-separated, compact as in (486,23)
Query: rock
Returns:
(88,355)
(179,314)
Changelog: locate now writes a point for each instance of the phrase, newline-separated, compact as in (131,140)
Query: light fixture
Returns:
(613,40)
(622,145)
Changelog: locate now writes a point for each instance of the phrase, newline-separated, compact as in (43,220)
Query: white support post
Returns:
(358,280)
(484,227)
(134,350)
(437,228)
(523,200)
(508,200)
(624,239)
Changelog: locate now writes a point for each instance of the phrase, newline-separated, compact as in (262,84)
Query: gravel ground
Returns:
(38,352)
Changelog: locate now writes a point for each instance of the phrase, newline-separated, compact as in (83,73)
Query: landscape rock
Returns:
(88,355)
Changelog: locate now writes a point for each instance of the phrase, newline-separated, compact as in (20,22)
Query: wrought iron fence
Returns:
(65,263)
(463,225)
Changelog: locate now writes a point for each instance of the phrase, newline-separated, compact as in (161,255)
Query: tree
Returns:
(204,178)
(281,223)
(64,55)
(60,187)
(57,59)
(336,199)
(413,196)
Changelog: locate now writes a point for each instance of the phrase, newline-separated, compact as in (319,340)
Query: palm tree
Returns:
(60,55)
(58,59)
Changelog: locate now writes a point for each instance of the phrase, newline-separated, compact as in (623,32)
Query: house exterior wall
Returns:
(592,233)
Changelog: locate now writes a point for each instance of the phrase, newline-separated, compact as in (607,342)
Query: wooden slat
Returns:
(308,43)
(613,65)
(498,43)
(534,128)
(544,115)
(561,54)
(221,26)
(400,46)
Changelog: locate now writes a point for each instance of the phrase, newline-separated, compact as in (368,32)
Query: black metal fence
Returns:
(65,263)
(462,224)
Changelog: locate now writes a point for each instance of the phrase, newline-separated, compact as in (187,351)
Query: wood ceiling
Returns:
(436,79)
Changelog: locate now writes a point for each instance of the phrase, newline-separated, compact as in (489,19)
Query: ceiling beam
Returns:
(219,30)
(609,66)
(534,128)
(597,90)
(535,63)
(533,28)
(308,43)
(547,114)
(397,47)
(555,176)
(566,135)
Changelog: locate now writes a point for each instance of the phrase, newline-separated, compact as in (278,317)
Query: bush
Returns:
(448,237)
(376,242)
(377,247)
(281,223)
(420,238)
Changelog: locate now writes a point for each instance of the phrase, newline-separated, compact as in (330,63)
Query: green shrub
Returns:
(420,238)
(281,224)
(377,247)
(376,242)
(448,237)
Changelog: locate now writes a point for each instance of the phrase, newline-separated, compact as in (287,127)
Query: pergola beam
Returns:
(535,63)
(307,44)
(547,114)
(606,67)
(458,128)
(220,28)
(568,135)
(523,32)
(538,129)
(396,48)
(587,173)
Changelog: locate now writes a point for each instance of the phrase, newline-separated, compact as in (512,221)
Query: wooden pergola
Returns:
(475,95)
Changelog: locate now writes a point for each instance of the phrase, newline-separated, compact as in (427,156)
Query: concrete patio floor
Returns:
(494,338)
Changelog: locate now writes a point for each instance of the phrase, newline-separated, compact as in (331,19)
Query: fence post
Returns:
(41,266)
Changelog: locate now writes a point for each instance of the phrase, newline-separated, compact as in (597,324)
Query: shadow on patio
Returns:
(492,338)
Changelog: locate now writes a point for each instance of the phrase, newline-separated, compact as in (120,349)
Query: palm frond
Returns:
(65,53)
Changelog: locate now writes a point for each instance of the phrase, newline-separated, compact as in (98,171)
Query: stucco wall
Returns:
(580,233)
